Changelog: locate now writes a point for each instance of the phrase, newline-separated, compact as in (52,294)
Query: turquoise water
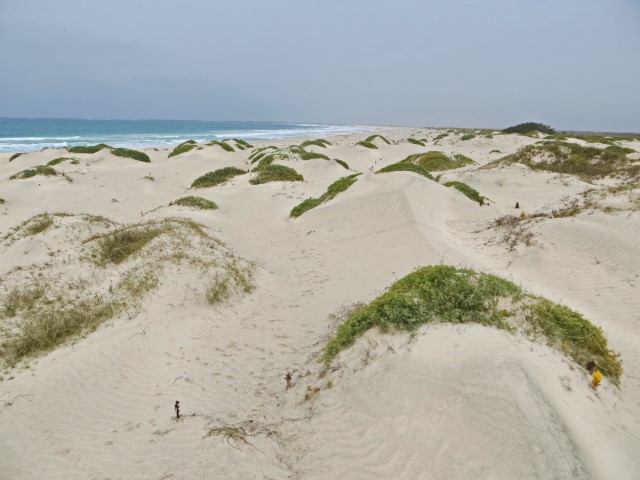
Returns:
(32,134)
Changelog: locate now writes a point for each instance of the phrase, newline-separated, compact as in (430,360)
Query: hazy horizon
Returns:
(462,64)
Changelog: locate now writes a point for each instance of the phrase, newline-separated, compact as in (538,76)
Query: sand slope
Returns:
(448,403)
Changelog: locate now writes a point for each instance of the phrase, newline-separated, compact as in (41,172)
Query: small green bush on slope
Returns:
(88,148)
(225,146)
(468,191)
(15,155)
(340,162)
(128,153)
(56,161)
(183,148)
(334,189)
(415,141)
(528,127)
(217,177)
(276,173)
(406,167)
(443,293)
(320,142)
(196,202)
(2,201)
(32,172)
(438,161)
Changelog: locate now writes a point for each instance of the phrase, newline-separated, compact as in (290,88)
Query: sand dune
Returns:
(449,402)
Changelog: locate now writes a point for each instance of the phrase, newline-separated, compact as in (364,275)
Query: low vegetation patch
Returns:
(587,163)
(468,191)
(32,172)
(415,141)
(320,142)
(56,161)
(183,148)
(365,144)
(334,189)
(406,167)
(240,144)
(313,155)
(441,136)
(261,151)
(437,161)
(467,136)
(15,155)
(276,173)
(217,177)
(195,202)
(128,153)
(446,294)
(340,162)
(529,127)
(224,145)
(2,201)
(88,148)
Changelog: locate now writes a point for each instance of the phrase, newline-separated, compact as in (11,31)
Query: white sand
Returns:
(452,403)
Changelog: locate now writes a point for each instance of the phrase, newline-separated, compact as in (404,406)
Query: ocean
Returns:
(33,134)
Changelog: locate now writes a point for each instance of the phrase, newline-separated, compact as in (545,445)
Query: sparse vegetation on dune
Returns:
(224,145)
(372,146)
(48,305)
(588,163)
(334,189)
(183,148)
(529,127)
(240,144)
(320,142)
(312,156)
(196,202)
(468,191)
(438,161)
(2,201)
(368,142)
(406,167)
(260,151)
(446,294)
(32,172)
(468,136)
(340,162)
(15,155)
(128,153)
(56,161)
(415,141)
(217,177)
(88,148)
(276,173)
(441,136)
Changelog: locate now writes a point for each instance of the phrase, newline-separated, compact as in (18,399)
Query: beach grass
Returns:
(468,191)
(195,202)
(369,145)
(88,148)
(224,145)
(183,148)
(404,166)
(276,173)
(529,127)
(467,136)
(32,172)
(312,155)
(320,142)
(341,162)
(15,155)
(217,177)
(438,161)
(134,154)
(415,141)
(334,189)
(59,160)
(445,294)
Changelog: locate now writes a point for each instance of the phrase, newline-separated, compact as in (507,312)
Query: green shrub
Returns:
(344,164)
(15,155)
(470,192)
(217,177)
(88,148)
(56,161)
(196,202)
(437,161)
(441,136)
(406,167)
(334,189)
(2,201)
(118,246)
(442,293)
(415,141)
(371,138)
(240,144)
(372,146)
(183,148)
(528,127)
(223,145)
(276,173)
(313,155)
(467,136)
(128,153)
(321,142)
(32,172)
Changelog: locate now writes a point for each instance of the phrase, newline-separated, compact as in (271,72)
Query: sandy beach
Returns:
(229,311)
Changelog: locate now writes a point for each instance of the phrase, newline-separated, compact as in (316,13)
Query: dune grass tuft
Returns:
(240,144)
(261,151)
(529,127)
(341,162)
(15,155)
(2,201)
(468,191)
(276,173)
(32,172)
(312,155)
(334,189)
(88,148)
(438,161)
(128,153)
(196,202)
(406,167)
(372,146)
(467,136)
(371,138)
(119,245)
(320,142)
(56,161)
(443,293)
(183,148)
(223,145)
(415,141)
(217,177)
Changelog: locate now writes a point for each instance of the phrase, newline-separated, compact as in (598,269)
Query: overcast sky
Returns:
(574,64)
